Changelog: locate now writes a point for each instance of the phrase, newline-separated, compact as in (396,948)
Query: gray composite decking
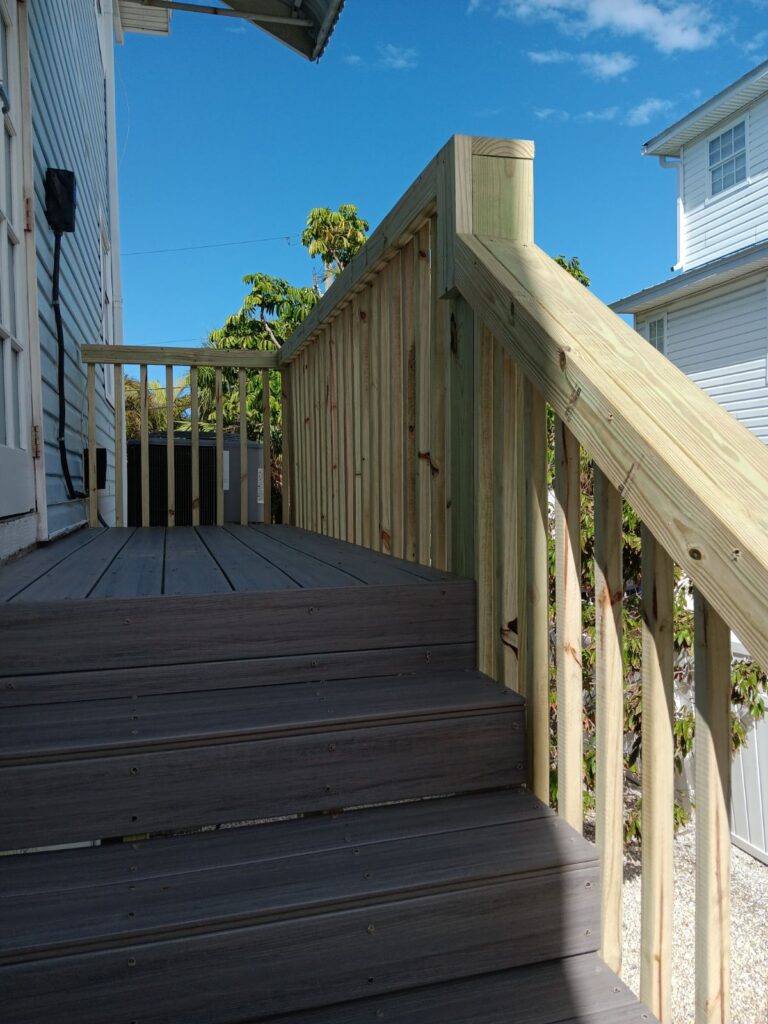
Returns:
(189,561)
(309,802)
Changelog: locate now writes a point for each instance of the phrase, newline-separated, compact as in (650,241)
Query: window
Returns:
(656,333)
(728,158)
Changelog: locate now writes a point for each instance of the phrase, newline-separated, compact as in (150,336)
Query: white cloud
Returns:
(489,112)
(606,114)
(669,25)
(353,59)
(599,65)
(398,58)
(551,114)
(473,5)
(646,111)
(757,43)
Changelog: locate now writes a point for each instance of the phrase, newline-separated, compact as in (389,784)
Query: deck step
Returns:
(571,990)
(93,769)
(244,924)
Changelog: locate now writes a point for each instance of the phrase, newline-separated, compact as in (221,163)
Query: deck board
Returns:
(137,571)
(245,569)
(190,568)
(76,576)
(190,561)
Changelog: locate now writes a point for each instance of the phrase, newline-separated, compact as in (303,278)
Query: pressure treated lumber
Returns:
(570,714)
(170,447)
(195,440)
(93,493)
(144,435)
(712,647)
(609,713)
(119,445)
(171,356)
(694,474)
(658,782)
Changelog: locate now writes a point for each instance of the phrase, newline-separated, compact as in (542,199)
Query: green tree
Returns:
(156,406)
(335,236)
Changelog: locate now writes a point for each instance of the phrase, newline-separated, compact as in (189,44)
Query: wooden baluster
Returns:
(570,724)
(333,431)
(290,451)
(119,446)
(485,565)
(169,447)
(375,419)
(462,444)
(327,479)
(219,447)
(385,391)
(507,516)
(347,394)
(408,271)
(317,381)
(242,388)
(195,431)
(266,413)
(423,297)
(93,490)
(397,407)
(309,426)
(366,414)
(144,433)
(357,327)
(609,730)
(713,805)
(440,342)
(657,777)
(533,603)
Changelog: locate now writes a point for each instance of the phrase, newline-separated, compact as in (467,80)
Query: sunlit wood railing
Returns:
(120,356)
(416,424)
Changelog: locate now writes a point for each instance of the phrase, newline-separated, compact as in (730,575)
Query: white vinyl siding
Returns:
(719,340)
(716,225)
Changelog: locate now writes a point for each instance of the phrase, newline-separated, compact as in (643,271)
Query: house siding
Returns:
(720,340)
(70,131)
(737,218)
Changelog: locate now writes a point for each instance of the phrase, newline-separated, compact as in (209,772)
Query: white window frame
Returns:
(662,319)
(713,197)
(107,305)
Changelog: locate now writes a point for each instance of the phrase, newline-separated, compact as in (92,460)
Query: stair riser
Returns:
(117,634)
(252,973)
(89,798)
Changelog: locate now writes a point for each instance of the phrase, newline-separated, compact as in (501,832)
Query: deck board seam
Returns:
(259,554)
(107,567)
(218,564)
(262,531)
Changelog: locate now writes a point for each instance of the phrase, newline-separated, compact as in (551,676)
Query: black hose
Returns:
(56,303)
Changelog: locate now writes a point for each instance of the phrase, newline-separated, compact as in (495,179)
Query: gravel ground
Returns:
(749,932)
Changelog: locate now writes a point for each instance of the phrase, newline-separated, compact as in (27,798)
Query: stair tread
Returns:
(33,732)
(256,875)
(573,990)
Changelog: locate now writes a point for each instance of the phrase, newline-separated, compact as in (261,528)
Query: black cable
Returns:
(56,303)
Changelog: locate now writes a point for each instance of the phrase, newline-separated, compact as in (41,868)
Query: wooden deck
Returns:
(188,561)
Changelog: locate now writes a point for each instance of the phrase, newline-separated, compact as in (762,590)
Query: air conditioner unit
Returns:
(182,465)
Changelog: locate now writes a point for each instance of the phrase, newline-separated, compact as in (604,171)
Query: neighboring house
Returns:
(712,318)
(58,98)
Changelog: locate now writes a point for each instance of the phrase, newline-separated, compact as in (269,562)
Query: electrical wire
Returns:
(211,245)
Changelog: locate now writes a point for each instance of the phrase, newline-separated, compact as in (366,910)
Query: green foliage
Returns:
(334,236)
(749,682)
(157,418)
(573,266)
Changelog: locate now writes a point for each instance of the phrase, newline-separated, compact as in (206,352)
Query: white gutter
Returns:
(676,163)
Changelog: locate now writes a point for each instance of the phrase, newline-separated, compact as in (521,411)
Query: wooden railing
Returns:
(120,356)
(416,423)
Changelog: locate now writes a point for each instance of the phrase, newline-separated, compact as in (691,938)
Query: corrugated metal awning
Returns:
(708,115)
(303,25)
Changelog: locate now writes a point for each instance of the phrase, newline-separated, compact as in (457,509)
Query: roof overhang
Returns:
(303,25)
(719,108)
(750,260)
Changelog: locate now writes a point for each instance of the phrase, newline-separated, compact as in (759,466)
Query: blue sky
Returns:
(225,135)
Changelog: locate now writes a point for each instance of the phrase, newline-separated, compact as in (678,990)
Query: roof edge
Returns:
(744,261)
(661,144)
